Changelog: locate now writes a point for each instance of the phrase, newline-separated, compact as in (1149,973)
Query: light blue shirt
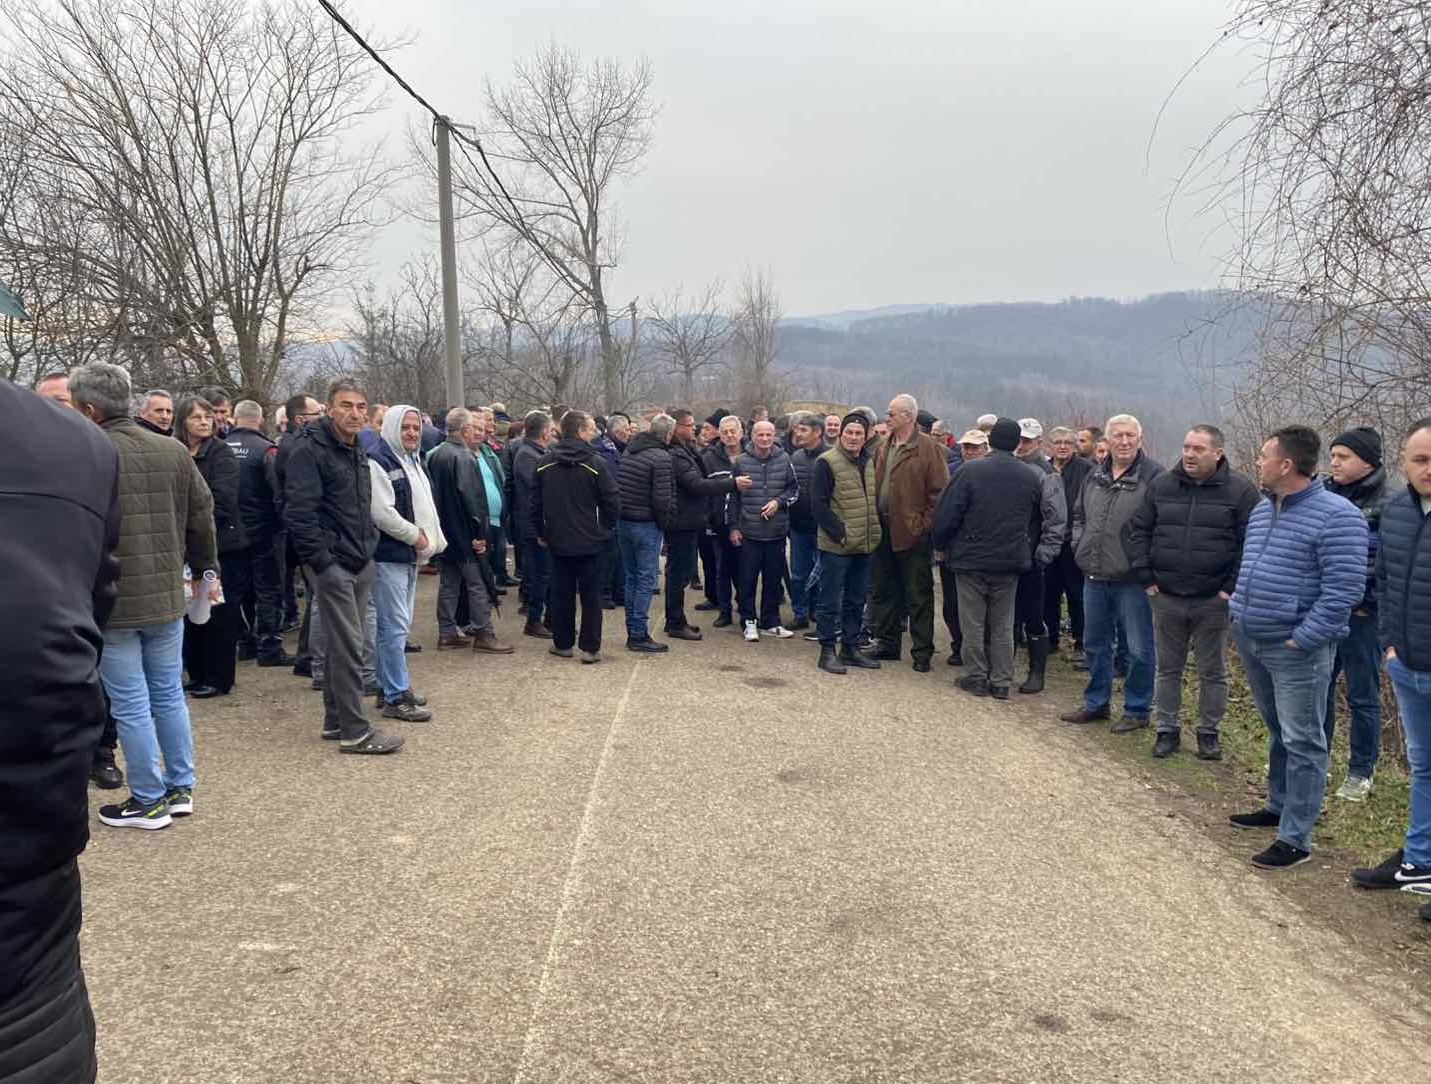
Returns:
(494,491)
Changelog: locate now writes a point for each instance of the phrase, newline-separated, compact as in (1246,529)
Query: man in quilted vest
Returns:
(1303,569)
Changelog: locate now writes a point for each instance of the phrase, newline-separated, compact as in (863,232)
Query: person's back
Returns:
(997,500)
(646,480)
(574,499)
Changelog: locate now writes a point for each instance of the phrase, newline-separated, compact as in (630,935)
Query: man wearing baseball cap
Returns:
(972,445)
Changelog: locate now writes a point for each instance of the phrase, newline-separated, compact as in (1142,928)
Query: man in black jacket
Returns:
(694,491)
(719,462)
(256,568)
(759,525)
(648,501)
(1062,578)
(1184,546)
(986,521)
(574,511)
(299,411)
(327,498)
(707,537)
(808,431)
(156,412)
(536,566)
(57,584)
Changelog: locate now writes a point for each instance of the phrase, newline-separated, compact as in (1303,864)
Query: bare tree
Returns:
(690,335)
(398,340)
(200,148)
(754,321)
(560,135)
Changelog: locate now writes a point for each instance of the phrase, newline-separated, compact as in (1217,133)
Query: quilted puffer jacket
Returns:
(1303,568)
(166,518)
(1403,579)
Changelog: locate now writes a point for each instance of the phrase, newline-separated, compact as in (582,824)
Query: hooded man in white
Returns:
(408,535)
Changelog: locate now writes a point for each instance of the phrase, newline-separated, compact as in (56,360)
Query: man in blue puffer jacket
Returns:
(1303,569)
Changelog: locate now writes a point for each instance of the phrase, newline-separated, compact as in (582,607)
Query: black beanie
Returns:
(858,417)
(1004,437)
(716,418)
(1364,441)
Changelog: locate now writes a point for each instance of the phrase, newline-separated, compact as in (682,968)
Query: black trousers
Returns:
(765,562)
(211,649)
(613,574)
(727,571)
(251,581)
(710,564)
(287,577)
(497,553)
(46,1025)
(682,551)
(949,597)
(1063,579)
(1028,604)
(573,576)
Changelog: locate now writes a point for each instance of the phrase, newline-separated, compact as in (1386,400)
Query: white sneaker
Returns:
(751,635)
(1355,789)
(780,632)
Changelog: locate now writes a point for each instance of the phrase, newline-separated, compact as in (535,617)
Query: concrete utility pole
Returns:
(447,234)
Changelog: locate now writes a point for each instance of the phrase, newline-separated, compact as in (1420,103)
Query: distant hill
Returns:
(1170,358)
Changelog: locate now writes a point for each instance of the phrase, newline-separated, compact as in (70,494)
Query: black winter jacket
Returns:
(59,506)
(1075,472)
(524,481)
(988,516)
(574,500)
(461,499)
(1403,579)
(717,464)
(257,462)
(1187,536)
(646,481)
(328,500)
(1369,495)
(219,469)
(694,491)
(802,512)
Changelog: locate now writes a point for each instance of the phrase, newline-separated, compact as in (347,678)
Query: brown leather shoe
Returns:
(487,643)
(541,632)
(1086,715)
(450,640)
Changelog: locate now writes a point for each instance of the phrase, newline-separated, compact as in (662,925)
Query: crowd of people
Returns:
(171,536)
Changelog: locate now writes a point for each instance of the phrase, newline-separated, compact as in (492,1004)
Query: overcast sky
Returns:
(872,154)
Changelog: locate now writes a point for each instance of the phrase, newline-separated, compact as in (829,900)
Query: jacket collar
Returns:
(1218,477)
(1104,473)
(1362,489)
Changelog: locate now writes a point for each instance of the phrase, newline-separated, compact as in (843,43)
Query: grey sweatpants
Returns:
(988,600)
(343,596)
(1202,624)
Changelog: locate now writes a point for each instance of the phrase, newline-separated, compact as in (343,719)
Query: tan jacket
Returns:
(918,477)
(166,518)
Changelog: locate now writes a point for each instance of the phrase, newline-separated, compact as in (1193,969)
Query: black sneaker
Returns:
(410,648)
(281,659)
(132,813)
(974,684)
(1395,872)
(685,632)
(1263,818)
(404,712)
(1208,747)
(374,741)
(647,646)
(1166,743)
(999,692)
(303,668)
(1281,856)
(880,652)
(920,666)
(332,735)
(723,621)
(181,801)
(706,606)
(104,772)
(1129,723)
(956,658)
(812,637)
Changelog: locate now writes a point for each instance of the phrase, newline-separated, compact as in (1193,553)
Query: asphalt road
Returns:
(715,865)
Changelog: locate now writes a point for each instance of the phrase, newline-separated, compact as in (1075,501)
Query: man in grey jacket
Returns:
(759,527)
(1029,603)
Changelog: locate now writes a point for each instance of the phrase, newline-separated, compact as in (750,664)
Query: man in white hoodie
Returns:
(408,534)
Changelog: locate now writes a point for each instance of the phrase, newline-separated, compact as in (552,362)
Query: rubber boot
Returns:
(1038,663)
(828,661)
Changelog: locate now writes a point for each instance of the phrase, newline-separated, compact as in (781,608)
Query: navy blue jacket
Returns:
(394,550)
(1403,579)
(1303,569)
(1368,494)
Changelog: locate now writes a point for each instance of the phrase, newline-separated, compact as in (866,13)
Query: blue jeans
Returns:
(844,583)
(537,578)
(1359,656)
(804,559)
(1104,604)
(1413,697)
(394,590)
(1289,686)
(142,672)
(640,554)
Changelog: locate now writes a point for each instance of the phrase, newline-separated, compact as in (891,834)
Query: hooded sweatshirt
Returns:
(388,509)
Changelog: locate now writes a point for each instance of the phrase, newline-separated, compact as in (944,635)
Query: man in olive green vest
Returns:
(842,485)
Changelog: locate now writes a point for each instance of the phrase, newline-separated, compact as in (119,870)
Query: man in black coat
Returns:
(535,561)
(58,574)
(299,412)
(808,430)
(648,501)
(461,499)
(985,523)
(253,576)
(694,492)
(718,461)
(574,511)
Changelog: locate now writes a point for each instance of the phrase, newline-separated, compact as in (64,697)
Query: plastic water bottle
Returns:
(199,606)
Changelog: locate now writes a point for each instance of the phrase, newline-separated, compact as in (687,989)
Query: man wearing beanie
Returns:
(1358,475)
(986,522)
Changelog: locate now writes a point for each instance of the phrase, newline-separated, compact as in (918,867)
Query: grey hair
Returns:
(103,387)
(162,393)
(1061,431)
(1124,419)
(247,408)
(457,418)
(345,383)
(905,401)
(662,425)
(808,418)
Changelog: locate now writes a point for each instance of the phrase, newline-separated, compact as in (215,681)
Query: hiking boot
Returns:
(1281,855)
(685,632)
(1208,747)
(104,772)
(956,658)
(850,657)
(452,640)
(1263,818)
(723,621)
(1087,715)
(181,801)
(885,654)
(536,631)
(280,659)
(405,713)
(1356,788)
(303,668)
(1166,743)
(1129,723)
(1038,664)
(132,813)
(407,696)
(374,741)
(560,652)
(999,692)
(590,658)
(830,662)
(647,646)
(974,684)
(486,643)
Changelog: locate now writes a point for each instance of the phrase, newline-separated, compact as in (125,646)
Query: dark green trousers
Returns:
(900,584)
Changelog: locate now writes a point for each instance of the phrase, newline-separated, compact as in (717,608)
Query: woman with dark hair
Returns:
(210,649)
